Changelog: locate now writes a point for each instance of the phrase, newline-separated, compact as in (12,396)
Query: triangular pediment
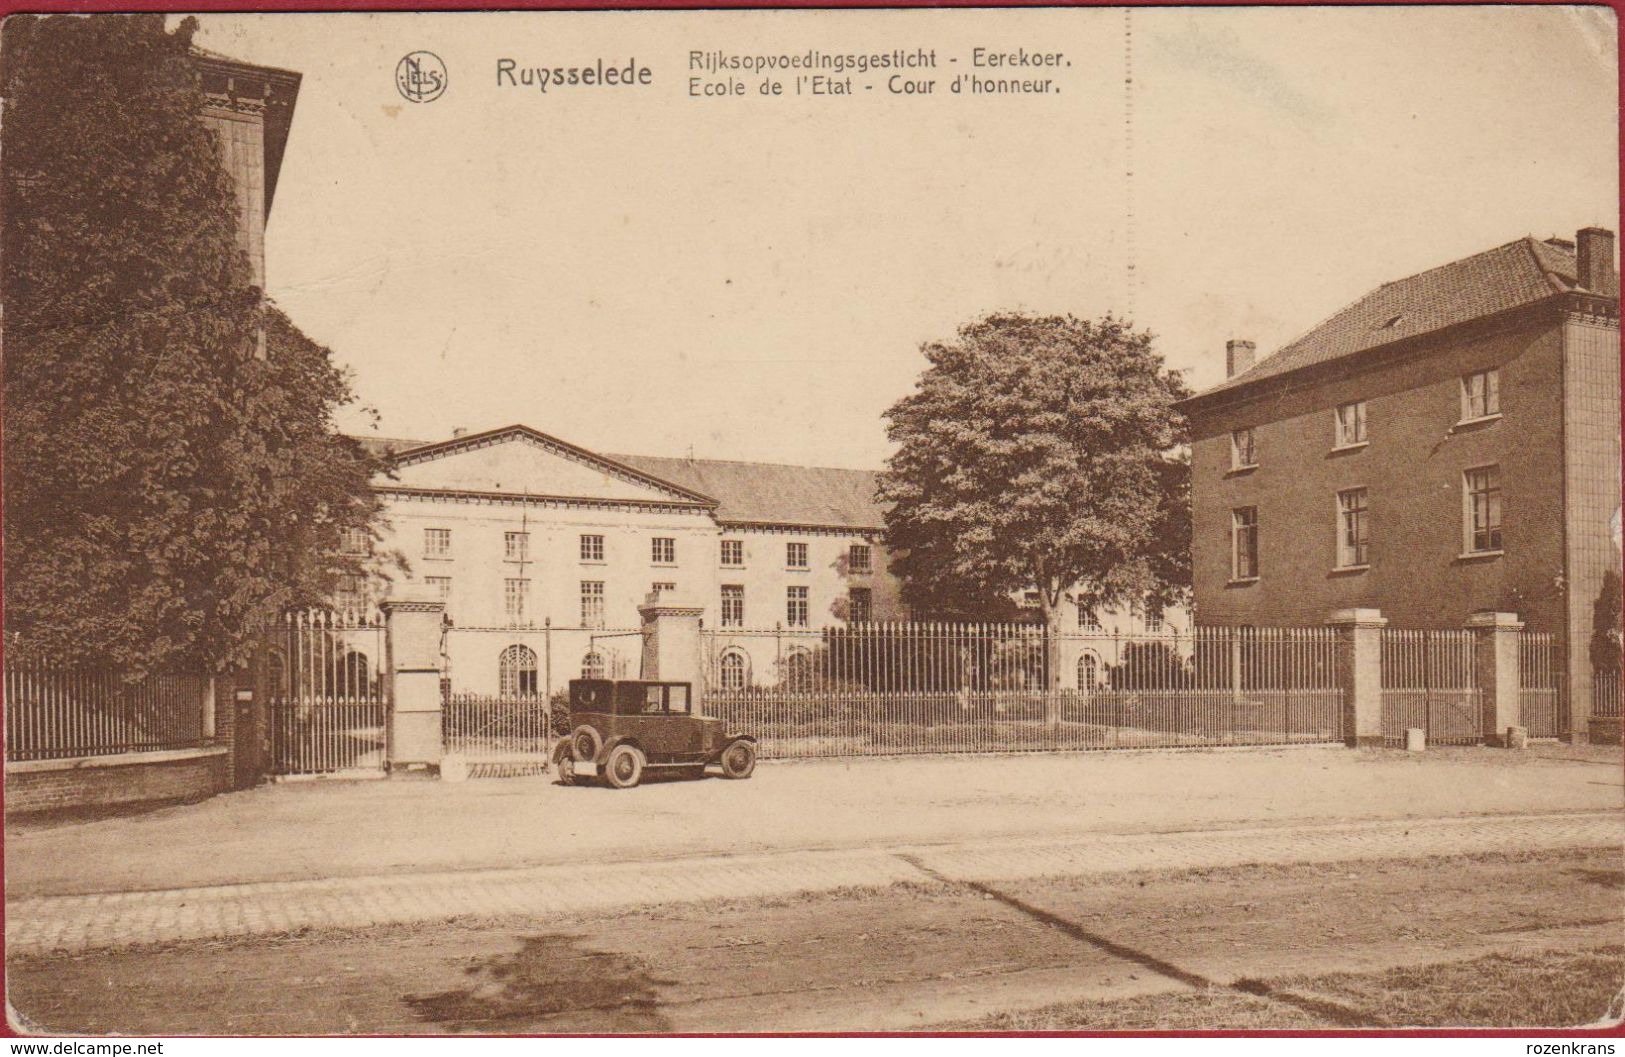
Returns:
(518,460)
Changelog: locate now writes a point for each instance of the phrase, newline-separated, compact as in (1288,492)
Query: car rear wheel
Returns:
(586,743)
(738,760)
(564,763)
(624,767)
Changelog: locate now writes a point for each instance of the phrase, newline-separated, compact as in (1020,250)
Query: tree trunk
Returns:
(1052,663)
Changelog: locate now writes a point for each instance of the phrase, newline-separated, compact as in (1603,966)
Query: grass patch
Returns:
(1553,989)
(1550,989)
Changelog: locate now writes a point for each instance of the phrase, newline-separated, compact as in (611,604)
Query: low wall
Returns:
(1603,730)
(104,781)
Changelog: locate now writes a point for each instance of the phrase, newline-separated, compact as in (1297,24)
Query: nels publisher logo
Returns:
(421,77)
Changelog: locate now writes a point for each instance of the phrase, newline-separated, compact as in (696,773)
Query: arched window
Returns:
(798,668)
(516,670)
(592,665)
(734,670)
(1088,672)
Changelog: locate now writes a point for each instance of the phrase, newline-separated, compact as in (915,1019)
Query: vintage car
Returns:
(621,727)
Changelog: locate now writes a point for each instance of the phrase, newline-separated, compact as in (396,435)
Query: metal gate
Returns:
(326,706)
(1541,702)
(1430,682)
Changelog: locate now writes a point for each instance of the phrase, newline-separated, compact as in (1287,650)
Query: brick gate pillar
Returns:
(671,641)
(1496,671)
(412,671)
(1359,674)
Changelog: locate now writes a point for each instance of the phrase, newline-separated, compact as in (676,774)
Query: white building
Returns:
(543,551)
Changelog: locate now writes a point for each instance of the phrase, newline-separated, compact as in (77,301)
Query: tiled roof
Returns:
(760,492)
(771,493)
(1485,284)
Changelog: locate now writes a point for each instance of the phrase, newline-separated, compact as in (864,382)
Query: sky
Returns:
(752,277)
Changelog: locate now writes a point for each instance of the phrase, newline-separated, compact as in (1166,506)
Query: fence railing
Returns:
(52,712)
(883,689)
(1429,682)
(326,702)
(1605,693)
(498,734)
(1541,704)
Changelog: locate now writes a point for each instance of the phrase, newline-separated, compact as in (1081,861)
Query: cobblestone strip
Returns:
(75,923)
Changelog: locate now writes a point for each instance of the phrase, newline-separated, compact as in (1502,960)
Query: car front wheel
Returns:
(738,760)
(624,767)
(564,763)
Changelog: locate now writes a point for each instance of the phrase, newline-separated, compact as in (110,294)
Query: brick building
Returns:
(1449,443)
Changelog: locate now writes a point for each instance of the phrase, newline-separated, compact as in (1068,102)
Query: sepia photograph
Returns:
(942,521)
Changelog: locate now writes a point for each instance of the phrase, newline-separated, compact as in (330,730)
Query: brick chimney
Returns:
(1594,260)
(1238,357)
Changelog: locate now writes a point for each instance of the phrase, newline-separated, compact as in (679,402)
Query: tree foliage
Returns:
(162,486)
(1039,452)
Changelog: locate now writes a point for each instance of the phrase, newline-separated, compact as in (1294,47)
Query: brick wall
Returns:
(1412,469)
(105,781)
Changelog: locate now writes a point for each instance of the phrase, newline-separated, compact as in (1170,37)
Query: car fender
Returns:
(722,745)
(619,739)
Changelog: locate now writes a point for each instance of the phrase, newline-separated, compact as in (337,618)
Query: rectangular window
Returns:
(1244,543)
(436,543)
(1351,424)
(440,585)
(1088,619)
(1483,520)
(1242,452)
(1153,616)
(516,546)
(663,550)
(795,555)
(733,605)
(859,605)
(355,541)
(661,587)
(1353,528)
(795,607)
(859,559)
(592,603)
(351,592)
(733,553)
(516,600)
(1480,395)
(592,548)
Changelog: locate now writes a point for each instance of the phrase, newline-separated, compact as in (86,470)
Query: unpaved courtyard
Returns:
(1237,942)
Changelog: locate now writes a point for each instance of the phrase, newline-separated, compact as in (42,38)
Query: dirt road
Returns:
(329,830)
(903,957)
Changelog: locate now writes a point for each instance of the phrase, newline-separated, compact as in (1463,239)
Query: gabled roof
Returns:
(775,494)
(1505,278)
(424,452)
(757,493)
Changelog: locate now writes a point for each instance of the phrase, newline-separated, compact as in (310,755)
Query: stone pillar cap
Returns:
(1489,618)
(412,597)
(1358,617)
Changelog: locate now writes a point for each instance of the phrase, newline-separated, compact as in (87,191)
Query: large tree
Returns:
(1039,452)
(162,486)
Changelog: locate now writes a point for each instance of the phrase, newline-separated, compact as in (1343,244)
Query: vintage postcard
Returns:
(927,520)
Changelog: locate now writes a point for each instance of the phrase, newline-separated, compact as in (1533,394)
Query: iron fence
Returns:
(1605,693)
(885,689)
(1541,703)
(326,705)
(1430,682)
(55,712)
(498,735)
